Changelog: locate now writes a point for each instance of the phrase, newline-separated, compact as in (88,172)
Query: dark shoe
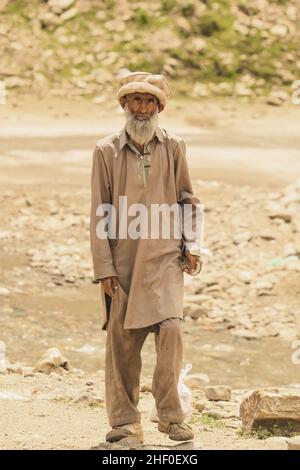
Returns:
(177,431)
(117,433)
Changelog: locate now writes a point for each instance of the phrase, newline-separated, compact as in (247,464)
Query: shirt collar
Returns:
(124,138)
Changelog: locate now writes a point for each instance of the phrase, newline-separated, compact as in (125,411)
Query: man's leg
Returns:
(122,371)
(168,343)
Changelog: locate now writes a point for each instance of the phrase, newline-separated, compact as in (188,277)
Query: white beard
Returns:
(140,130)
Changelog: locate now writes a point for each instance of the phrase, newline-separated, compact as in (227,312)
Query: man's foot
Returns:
(177,431)
(132,430)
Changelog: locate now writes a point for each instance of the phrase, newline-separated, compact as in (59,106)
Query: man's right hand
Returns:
(110,285)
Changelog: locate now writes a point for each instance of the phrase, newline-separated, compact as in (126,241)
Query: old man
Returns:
(141,276)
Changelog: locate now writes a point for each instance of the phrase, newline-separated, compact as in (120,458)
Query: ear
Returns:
(160,107)
(123,101)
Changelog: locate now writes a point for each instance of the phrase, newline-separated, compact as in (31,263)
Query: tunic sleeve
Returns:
(100,194)
(192,211)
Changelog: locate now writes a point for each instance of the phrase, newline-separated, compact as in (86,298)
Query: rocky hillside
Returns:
(244,48)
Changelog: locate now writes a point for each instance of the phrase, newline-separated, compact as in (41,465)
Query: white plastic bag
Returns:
(185,396)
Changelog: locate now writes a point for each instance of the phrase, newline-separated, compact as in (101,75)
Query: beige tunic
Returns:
(149,271)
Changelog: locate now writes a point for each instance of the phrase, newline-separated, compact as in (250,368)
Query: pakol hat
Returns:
(144,82)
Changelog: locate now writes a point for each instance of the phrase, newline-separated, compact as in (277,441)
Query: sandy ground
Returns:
(52,412)
(221,136)
(45,153)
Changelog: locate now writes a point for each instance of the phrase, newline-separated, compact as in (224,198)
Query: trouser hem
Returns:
(124,420)
(168,417)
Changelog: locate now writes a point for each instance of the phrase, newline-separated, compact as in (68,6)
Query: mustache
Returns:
(134,116)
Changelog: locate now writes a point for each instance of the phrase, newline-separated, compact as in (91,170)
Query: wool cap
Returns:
(144,82)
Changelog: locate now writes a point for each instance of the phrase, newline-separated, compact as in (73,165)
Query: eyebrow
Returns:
(148,99)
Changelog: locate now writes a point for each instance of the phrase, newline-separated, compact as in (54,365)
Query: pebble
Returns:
(218,392)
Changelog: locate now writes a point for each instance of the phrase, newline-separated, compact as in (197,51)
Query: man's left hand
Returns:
(192,261)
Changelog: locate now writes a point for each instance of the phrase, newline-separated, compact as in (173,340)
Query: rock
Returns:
(200,90)
(224,89)
(49,20)
(40,78)
(226,59)
(14,369)
(58,6)
(193,310)
(89,400)
(147,387)
(290,250)
(115,25)
(61,260)
(246,276)
(269,236)
(183,24)
(218,393)
(249,334)
(263,285)
(287,77)
(277,98)
(213,289)
(236,292)
(3,369)
(69,14)
(217,414)
(273,329)
(5,234)
(4,291)
(293,443)
(293,263)
(293,198)
(240,28)
(242,237)
(232,423)
(242,90)
(269,405)
(273,101)
(52,361)
(245,321)
(285,216)
(198,44)
(15,82)
(27,372)
(288,333)
(200,406)
(280,30)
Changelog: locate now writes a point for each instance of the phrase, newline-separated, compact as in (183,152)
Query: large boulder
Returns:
(52,361)
(269,405)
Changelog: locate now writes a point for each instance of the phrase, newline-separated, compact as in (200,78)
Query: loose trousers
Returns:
(123,368)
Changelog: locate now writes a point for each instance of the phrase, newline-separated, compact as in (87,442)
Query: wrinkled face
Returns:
(141,105)
(141,112)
